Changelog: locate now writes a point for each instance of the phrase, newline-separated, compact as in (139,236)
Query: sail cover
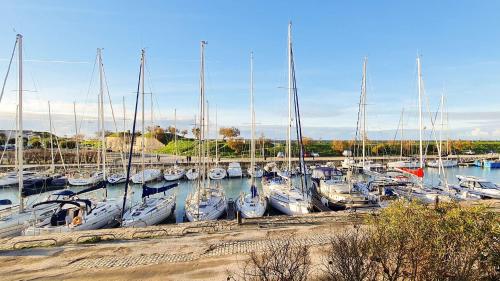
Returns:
(147,190)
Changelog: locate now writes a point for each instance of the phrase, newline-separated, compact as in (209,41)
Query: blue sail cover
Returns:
(146,190)
(253,190)
(5,202)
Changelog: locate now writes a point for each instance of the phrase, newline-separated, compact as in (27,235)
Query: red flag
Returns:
(416,172)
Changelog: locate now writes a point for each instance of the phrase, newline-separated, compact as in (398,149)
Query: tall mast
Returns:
(175,132)
(442,126)
(290,86)
(402,132)
(124,136)
(363,94)
(216,140)
(207,133)
(252,120)
(20,142)
(143,58)
(101,101)
(419,69)
(201,123)
(440,150)
(153,131)
(52,166)
(76,137)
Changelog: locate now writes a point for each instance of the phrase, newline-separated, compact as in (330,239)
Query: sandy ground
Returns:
(194,256)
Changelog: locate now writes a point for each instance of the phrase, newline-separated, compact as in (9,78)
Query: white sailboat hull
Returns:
(447,163)
(192,174)
(117,178)
(149,175)
(151,212)
(288,201)
(217,173)
(211,208)
(104,214)
(84,181)
(234,170)
(174,174)
(251,207)
(403,164)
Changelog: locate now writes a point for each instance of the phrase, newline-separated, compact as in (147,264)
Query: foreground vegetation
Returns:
(406,241)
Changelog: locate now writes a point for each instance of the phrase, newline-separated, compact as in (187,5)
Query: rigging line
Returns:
(88,93)
(150,86)
(356,145)
(427,104)
(112,110)
(109,98)
(397,129)
(58,146)
(8,70)
(298,127)
(5,145)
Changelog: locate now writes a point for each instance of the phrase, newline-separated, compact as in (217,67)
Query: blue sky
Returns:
(459,42)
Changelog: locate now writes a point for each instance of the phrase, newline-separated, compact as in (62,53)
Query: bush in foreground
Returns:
(406,241)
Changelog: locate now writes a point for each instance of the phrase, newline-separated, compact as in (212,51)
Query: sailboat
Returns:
(174,173)
(14,220)
(337,191)
(418,190)
(84,179)
(253,204)
(283,194)
(217,172)
(208,202)
(149,174)
(153,209)
(365,165)
(76,214)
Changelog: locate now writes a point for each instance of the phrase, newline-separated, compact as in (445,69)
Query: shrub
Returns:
(349,257)
(282,260)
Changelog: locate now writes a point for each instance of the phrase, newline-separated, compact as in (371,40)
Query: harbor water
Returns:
(233,187)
